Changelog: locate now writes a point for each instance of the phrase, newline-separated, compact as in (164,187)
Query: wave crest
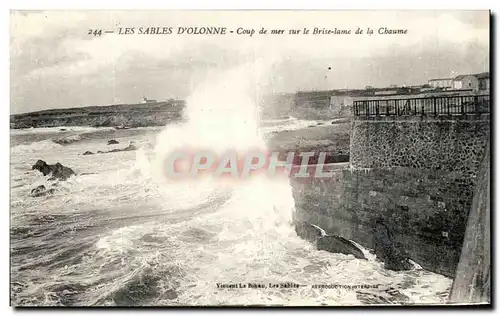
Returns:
(35,146)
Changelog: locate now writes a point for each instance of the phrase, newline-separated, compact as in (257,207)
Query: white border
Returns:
(256,4)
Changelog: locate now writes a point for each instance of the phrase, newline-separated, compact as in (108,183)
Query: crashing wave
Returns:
(34,147)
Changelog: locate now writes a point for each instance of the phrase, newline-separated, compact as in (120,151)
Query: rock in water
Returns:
(58,171)
(38,190)
(41,191)
(88,153)
(335,244)
(339,244)
(113,142)
(61,172)
(386,249)
(42,166)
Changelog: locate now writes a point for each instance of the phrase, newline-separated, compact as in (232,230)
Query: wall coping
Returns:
(409,118)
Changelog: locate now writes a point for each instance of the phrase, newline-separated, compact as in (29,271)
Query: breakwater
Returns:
(417,173)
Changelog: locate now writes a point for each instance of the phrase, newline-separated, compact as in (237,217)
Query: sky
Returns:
(55,63)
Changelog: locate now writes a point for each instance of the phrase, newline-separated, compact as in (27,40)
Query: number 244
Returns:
(95,32)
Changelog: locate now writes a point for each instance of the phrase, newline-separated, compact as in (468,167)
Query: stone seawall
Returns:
(472,283)
(427,211)
(449,145)
(418,175)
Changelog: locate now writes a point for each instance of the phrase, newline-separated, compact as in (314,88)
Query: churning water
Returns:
(119,233)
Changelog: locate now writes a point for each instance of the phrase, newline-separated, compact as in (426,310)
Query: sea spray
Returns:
(223,114)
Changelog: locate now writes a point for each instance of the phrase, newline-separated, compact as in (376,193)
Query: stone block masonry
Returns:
(417,174)
(472,283)
(426,211)
(449,145)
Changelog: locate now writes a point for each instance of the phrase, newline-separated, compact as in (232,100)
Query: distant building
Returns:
(441,83)
(338,103)
(466,82)
(415,89)
(146,100)
(312,99)
(484,80)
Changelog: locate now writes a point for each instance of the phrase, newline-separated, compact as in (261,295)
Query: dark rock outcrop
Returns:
(41,190)
(57,171)
(331,243)
(339,244)
(387,250)
(88,153)
(113,142)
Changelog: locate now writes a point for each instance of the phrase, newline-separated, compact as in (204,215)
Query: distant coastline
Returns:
(161,113)
(121,115)
(306,105)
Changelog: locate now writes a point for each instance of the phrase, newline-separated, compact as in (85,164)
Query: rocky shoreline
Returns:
(333,139)
(119,116)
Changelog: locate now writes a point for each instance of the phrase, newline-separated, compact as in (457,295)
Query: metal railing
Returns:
(427,106)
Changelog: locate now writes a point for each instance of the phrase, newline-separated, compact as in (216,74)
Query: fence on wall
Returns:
(426,106)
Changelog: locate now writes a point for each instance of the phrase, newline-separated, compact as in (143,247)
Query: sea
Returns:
(114,235)
(120,233)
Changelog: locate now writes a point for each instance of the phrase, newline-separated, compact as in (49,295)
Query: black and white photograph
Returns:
(249,158)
